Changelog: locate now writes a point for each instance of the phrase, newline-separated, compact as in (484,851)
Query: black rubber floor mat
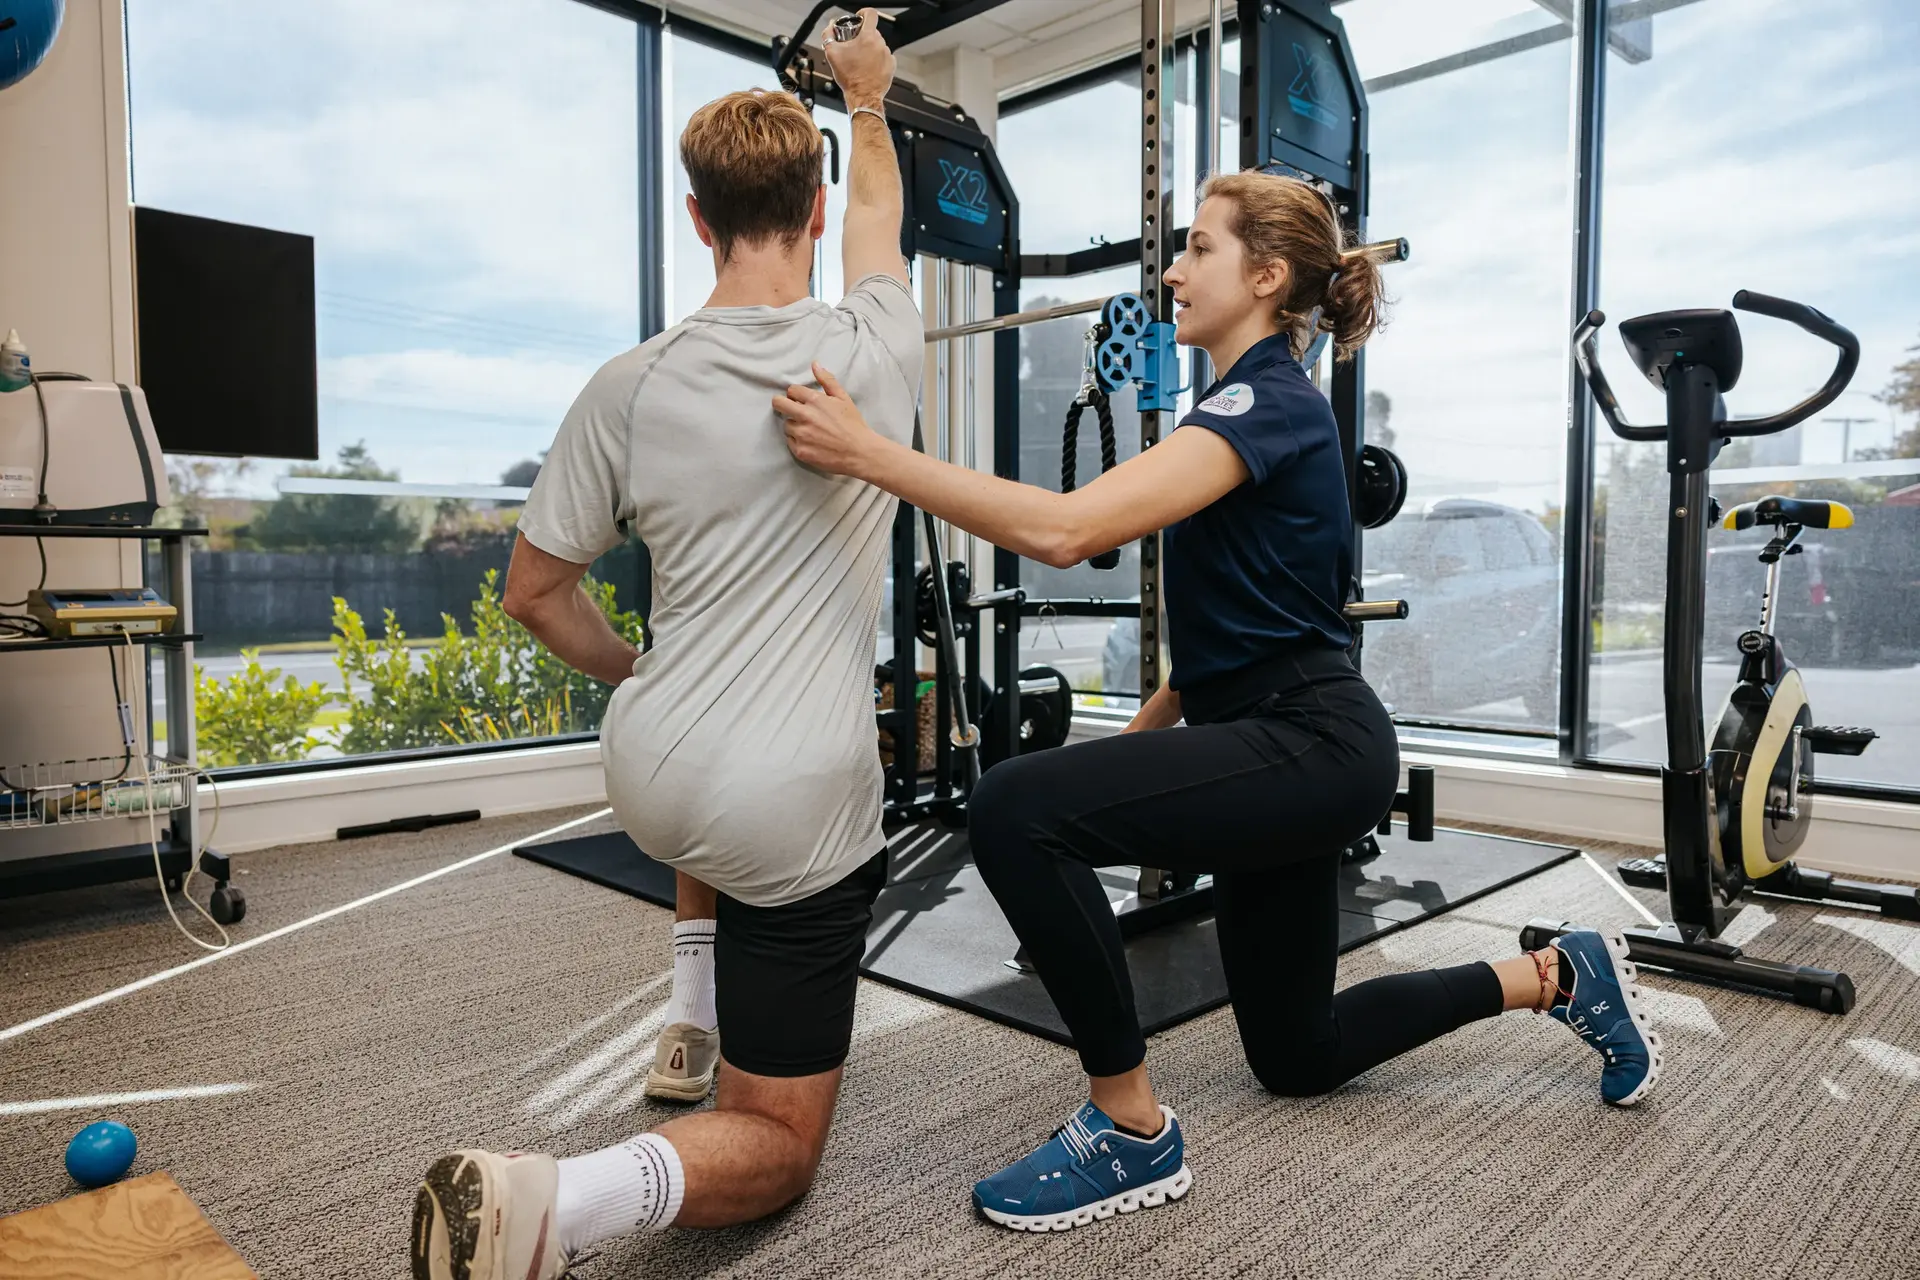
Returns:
(938,932)
(943,936)
(612,860)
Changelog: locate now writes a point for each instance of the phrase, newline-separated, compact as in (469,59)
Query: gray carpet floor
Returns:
(507,1005)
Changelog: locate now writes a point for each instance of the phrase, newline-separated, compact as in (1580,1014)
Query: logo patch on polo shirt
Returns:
(1229,402)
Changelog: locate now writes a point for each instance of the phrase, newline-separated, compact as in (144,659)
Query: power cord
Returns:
(41,543)
(43,510)
(153,841)
(22,627)
(122,708)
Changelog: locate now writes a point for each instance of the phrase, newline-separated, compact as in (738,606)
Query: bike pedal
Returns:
(1837,741)
(1644,873)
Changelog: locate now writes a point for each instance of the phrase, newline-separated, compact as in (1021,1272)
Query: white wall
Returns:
(66,283)
(65,275)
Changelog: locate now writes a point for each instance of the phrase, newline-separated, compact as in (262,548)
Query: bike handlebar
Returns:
(1589,362)
(1813,321)
(1820,326)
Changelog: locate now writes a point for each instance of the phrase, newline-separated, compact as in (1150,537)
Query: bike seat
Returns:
(1810,513)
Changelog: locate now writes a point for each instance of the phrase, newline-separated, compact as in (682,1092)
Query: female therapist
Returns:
(1285,756)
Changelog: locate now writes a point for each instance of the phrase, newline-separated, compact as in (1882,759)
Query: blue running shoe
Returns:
(1603,1008)
(1089,1169)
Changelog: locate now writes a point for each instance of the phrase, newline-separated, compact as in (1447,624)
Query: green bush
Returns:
(336,522)
(248,718)
(497,682)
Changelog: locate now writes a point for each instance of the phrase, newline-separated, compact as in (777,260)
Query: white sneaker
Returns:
(484,1215)
(684,1062)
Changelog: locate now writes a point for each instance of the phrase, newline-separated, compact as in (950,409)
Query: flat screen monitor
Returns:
(225,321)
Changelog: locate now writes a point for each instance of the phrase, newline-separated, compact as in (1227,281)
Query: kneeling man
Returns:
(741,750)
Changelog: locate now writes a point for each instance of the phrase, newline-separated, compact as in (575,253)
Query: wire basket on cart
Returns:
(96,789)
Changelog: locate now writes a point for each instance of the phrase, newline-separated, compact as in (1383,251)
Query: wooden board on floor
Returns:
(141,1229)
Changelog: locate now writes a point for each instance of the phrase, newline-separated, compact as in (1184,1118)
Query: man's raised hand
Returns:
(862,66)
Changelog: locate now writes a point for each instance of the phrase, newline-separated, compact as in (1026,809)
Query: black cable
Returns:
(1070,440)
(1109,451)
(36,629)
(1070,446)
(126,756)
(44,510)
(1109,458)
(21,604)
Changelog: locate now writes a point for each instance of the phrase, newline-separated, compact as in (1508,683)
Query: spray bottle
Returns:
(16,369)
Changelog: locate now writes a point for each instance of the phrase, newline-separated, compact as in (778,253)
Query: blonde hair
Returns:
(753,160)
(1284,219)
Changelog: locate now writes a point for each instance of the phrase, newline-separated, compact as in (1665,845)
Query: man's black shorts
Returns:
(785,976)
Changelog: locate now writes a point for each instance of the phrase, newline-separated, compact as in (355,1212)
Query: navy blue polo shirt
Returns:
(1265,567)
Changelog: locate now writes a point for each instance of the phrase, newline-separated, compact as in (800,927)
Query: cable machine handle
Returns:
(1820,326)
(1588,359)
(785,51)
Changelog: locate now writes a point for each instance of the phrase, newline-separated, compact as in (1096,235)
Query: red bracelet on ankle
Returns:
(1549,988)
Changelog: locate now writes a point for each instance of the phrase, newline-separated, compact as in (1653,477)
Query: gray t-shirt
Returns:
(743,750)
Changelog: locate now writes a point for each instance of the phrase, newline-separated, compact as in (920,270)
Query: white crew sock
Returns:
(619,1189)
(692,999)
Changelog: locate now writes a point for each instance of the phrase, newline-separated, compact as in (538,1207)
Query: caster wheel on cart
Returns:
(229,905)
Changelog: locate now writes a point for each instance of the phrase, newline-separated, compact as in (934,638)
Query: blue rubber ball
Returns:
(100,1153)
(27,31)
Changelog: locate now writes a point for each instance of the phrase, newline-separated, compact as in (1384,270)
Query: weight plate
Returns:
(926,614)
(1051,712)
(1045,717)
(1381,486)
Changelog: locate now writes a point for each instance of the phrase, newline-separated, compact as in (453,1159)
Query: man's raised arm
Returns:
(870,236)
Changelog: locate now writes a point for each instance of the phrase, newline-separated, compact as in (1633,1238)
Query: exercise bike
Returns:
(1733,815)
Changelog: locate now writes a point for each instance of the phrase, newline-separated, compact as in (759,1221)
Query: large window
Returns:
(476,205)
(1468,382)
(468,170)
(1097,655)
(1072,197)
(1072,160)
(1769,145)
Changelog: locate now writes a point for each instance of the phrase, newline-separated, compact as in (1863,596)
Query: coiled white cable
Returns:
(150,802)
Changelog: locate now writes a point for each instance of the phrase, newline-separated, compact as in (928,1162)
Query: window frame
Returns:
(651,169)
(1574,735)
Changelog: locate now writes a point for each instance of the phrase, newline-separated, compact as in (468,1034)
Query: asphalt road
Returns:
(1626,703)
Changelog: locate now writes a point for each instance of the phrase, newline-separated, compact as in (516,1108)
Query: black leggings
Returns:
(1277,769)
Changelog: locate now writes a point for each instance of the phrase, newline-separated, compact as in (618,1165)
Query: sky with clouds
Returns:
(468,169)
